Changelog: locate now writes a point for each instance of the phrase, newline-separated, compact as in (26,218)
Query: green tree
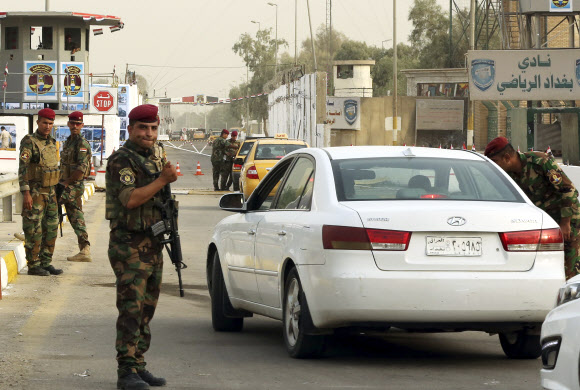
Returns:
(220,117)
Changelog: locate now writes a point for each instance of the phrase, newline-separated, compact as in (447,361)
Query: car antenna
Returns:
(408,152)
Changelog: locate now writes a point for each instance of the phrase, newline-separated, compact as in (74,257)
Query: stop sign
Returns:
(103,101)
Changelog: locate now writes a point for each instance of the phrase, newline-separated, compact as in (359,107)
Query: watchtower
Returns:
(47,58)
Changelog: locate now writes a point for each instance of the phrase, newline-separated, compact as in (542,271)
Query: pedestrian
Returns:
(218,156)
(5,137)
(135,175)
(38,174)
(232,147)
(549,188)
(75,166)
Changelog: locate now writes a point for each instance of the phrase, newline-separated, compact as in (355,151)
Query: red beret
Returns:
(145,113)
(495,146)
(224,131)
(234,133)
(76,116)
(47,113)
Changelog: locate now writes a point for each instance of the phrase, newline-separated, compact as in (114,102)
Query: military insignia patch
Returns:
(554,176)
(127,176)
(83,150)
(25,155)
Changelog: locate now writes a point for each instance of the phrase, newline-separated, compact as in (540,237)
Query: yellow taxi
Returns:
(264,154)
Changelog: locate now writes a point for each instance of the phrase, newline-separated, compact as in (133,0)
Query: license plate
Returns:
(453,246)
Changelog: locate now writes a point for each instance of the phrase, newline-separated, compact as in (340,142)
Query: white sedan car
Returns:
(377,236)
(561,340)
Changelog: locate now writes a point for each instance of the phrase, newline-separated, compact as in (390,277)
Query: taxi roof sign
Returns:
(281,135)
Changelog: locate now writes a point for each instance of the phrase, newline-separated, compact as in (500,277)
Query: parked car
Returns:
(561,340)
(245,147)
(176,135)
(263,155)
(378,237)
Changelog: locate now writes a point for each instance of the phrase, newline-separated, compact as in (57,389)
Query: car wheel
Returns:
(220,302)
(520,345)
(296,317)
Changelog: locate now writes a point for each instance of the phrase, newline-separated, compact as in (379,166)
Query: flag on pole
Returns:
(98,31)
(473,147)
(115,28)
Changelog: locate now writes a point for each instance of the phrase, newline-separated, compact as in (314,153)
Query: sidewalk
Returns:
(12,256)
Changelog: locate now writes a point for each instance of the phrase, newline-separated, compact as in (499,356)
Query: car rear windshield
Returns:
(421,178)
(275,151)
(245,148)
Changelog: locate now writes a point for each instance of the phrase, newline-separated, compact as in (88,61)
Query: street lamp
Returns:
(382,43)
(276,5)
(258,23)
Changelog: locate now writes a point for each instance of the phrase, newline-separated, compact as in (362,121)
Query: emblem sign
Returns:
(456,221)
(560,5)
(72,81)
(41,81)
(483,73)
(350,111)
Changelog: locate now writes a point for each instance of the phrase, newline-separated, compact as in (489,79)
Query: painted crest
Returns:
(560,3)
(41,81)
(350,111)
(72,80)
(483,73)
(554,176)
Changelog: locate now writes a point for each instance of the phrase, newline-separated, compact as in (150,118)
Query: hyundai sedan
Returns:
(377,237)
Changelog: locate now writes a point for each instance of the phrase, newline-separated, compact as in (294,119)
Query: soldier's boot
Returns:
(53,271)
(38,271)
(83,256)
(132,382)
(151,379)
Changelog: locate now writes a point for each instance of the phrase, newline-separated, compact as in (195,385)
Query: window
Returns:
(263,196)
(245,148)
(344,71)
(275,151)
(87,39)
(41,38)
(72,39)
(421,178)
(11,38)
(296,186)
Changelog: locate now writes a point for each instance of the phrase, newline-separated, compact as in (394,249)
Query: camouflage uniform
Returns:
(75,156)
(38,173)
(550,189)
(217,161)
(231,151)
(134,253)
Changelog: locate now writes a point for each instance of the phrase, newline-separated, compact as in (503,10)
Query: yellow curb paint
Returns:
(11,264)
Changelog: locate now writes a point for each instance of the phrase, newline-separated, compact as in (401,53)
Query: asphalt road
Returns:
(188,154)
(57,333)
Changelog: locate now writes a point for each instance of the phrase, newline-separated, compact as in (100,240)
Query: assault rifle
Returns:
(168,226)
(59,189)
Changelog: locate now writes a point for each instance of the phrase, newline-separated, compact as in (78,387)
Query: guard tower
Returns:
(352,78)
(47,58)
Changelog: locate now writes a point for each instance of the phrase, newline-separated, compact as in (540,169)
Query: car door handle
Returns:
(282,233)
(251,232)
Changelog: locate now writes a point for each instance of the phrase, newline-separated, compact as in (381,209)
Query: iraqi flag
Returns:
(6,70)
(98,31)
(116,28)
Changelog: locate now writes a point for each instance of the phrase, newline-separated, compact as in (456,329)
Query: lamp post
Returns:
(276,5)
(395,124)
(383,43)
(258,23)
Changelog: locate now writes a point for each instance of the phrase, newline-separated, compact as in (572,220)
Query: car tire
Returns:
(296,319)
(520,345)
(220,302)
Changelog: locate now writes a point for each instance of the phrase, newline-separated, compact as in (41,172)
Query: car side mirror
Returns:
(239,161)
(233,202)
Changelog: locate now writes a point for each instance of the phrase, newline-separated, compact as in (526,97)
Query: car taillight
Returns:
(434,196)
(252,173)
(237,167)
(354,238)
(533,240)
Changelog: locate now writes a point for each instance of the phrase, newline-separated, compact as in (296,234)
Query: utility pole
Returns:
(395,113)
(471,106)
(295,32)
(276,5)
(311,36)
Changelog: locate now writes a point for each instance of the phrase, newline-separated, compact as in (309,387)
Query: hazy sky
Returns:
(198,33)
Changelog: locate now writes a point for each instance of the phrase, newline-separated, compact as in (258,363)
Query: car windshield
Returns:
(275,151)
(421,178)
(245,148)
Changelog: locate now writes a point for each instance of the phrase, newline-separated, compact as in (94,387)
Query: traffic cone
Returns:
(473,147)
(549,151)
(198,171)
(463,146)
(519,149)
(451,147)
(439,146)
(179,170)
(93,173)
(405,144)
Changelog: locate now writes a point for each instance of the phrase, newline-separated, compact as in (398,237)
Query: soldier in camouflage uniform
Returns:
(38,173)
(231,150)
(75,165)
(134,253)
(218,157)
(549,188)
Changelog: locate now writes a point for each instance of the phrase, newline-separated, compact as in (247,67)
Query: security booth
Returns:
(47,58)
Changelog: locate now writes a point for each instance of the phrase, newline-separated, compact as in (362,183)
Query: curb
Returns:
(13,257)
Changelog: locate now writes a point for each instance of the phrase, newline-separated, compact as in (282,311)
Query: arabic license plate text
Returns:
(453,246)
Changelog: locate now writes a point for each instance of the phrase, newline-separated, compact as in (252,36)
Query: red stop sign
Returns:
(103,101)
